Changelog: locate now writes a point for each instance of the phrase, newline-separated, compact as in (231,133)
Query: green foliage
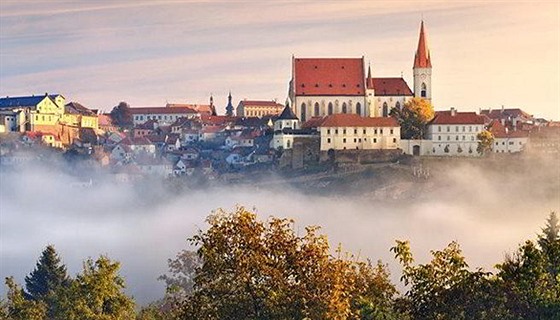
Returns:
(413,117)
(122,116)
(180,278)
(485,140)
(47,279)
(18,307)
(257,270)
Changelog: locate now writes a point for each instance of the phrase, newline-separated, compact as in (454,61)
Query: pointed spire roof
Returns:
(369,71)
(287,114)
(422,56)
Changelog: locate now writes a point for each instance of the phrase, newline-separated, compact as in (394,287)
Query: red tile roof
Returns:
(422,57)
(354,120)
(164,110)
(216,120)
(329,77)
(446,117)
(138,141)
(499,131)
(313,123)
(201,108)
(505,113)
(389,86)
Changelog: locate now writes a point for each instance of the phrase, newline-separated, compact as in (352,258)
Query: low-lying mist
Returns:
(488,207)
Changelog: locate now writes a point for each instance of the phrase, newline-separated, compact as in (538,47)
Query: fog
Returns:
(488,207)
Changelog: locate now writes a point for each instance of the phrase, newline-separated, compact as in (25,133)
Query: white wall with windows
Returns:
(306,107)
(360,138)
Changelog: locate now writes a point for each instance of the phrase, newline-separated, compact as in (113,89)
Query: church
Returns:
(323,86)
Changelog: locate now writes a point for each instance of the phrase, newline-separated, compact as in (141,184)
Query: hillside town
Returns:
(336,111)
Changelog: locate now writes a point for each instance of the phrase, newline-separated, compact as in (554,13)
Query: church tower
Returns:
(229,107)
(422,69)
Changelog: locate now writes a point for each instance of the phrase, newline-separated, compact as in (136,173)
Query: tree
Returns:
(413,117)
(445,288)
(180,278)
(97,294)
(18,307)
(48,277)
(256,270)
(122,115)
(485,141)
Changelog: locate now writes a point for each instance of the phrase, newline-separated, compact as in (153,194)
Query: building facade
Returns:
(257,108)
(455,133)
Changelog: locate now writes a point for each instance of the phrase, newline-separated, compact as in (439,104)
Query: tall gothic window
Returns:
(303,111)
(330,108)
(423,90)
(316,109)
(398,105)
(358,108)
(344,107)
(385,109)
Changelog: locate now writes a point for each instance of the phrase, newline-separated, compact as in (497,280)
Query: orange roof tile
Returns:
(445,117)
(259,103)
(354,120)
(329,76)
(422,56)
(160,110)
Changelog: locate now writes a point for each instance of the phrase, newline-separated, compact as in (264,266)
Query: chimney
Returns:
(502,108)
(453,112)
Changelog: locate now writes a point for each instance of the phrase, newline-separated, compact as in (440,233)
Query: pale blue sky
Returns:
(484,54)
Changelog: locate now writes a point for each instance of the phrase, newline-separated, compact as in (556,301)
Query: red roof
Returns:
(447,117)
(329,77)
(216,120)
(505,113)
(354,120)
(389,86)
(422,56)
(160,110)
(202,108)
(138,141)
(499,131)
(313,123)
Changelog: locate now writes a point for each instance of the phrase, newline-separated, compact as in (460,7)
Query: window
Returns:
(374,140)
(385,109)
(344,140)
(330,108)
(463,128)
(344,107)
(394,140)
(457,138)
(364,131)
(398,105)
(335,131)
(355,131)
(358,108)
(355,140)
(328,140)
(391,132)
(374,131)
(303,111)
(470,128)
(463,137)
(456,128)
(439,138)
(447,128)
(438,128)
(316,109)
(511,143)
(343,131)
(448,138)
(328,131)
(423,90)
(380,131)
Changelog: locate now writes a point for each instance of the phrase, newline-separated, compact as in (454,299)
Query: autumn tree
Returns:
(264,270)
(17,307)
(97,293)
(413,117)
(122,115)
(485,141)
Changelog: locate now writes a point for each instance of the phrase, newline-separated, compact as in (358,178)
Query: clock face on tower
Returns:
(423,76)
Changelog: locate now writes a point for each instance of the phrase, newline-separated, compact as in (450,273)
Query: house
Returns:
(127,173)
(545,140)
(154,166)
(287,127)
(351,131)
(172,142)
(106,124)
(35,113)
(242,140)
(77,115)
(146,128)
(258,108)
(141,145)
(455,133)
(121,152)
(211,133)
(184,167)
(510,118)
(189,136)
(506,140)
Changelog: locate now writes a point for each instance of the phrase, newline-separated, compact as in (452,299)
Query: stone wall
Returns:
(361,156)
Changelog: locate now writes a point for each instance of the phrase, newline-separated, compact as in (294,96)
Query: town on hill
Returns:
(336,113)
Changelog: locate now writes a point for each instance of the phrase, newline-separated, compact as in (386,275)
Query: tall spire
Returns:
(369,70)
(422,56)
(229,107)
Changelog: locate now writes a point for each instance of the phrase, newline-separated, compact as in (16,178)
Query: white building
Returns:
(454,133)
(324,86)
(506,140)
(351,131)
(163,115)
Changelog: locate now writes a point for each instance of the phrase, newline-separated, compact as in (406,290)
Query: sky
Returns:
(485,54)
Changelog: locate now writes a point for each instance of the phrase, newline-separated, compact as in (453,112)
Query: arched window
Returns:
(423,90)
(398,105)
(303,111)
(344,107)
(316,107)
(330,108)
(358,108)
(385,109)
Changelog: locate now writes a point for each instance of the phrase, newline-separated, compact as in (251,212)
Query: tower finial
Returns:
(369,70)
(422,56)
